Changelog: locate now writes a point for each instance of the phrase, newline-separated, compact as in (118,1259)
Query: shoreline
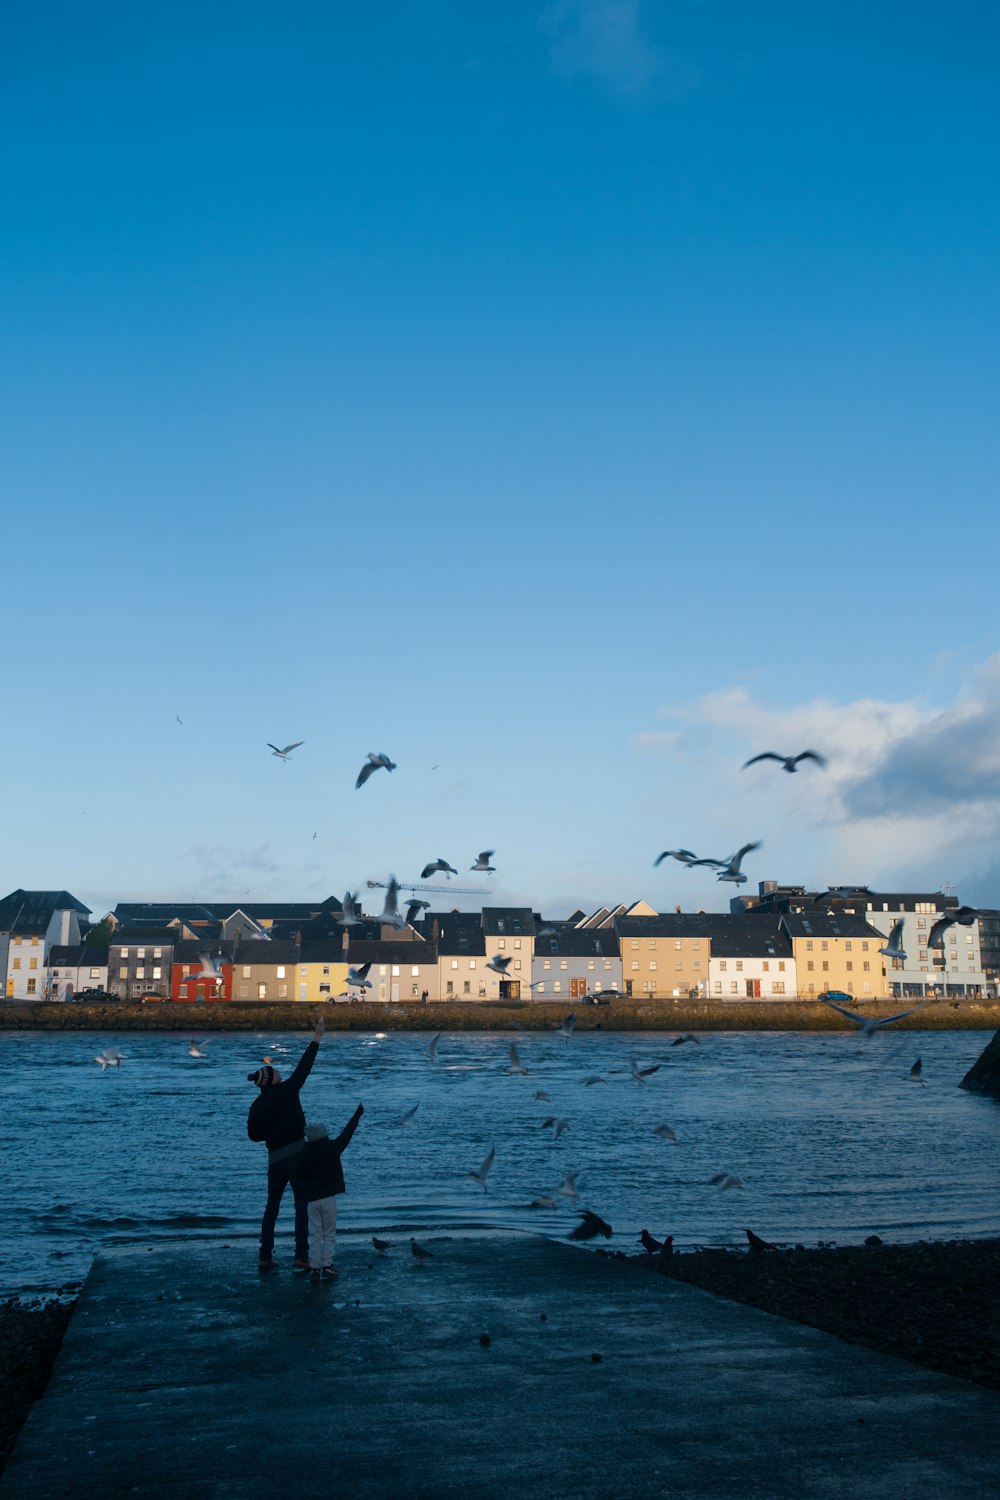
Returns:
(934,1304)
(485,1015)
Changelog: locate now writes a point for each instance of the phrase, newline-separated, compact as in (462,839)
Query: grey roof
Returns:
(30,924)
(681,924)
(577,942)
(321,951)
(263,951)
(505,921)
(751,940)
(37,903)
(144,937)
(164,911)
(188,952)
(61,957)
(822,925)
(457,933)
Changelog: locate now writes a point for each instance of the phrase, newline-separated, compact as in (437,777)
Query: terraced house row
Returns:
(783,943)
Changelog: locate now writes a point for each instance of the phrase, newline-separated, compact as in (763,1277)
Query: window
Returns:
(157,973)
(635,963)
(557,986)
(280,971)
(246,971)
(652,963)
(734,986)
(501,942)
(466,986)
(140,972)
(718,986)
(810,965)
(696,963)
(634,944)
(414,971)
(722,965)
(921,921)
(825,966)
(546,963)
(591,963)
(781,966)
(124,953)
(140,953)
(847,945)
(864,945)
(282,991)
(765,966)
(32,963)
(778,987)
(517,963)
(482,990)
(244,992)
(809,945)
(563,963)
(157,953)
(652,942)
(739,966)
(472,963)
(17,965)
(31,986)
(677,945)
(607,963)
(182,990)
(866,966)
(122,972)
(95,973)
(454,963)
(823,945)
(414,990)
(517,942)
(850,965)
(262,992)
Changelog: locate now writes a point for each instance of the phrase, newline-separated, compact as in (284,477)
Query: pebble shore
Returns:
(935,1304)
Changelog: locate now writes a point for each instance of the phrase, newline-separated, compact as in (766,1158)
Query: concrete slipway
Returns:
(187,1374)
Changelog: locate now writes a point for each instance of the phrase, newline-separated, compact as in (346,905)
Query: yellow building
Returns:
(665,957)
(321,972)
(837,952)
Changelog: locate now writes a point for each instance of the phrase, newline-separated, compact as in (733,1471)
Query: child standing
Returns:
(322,1177)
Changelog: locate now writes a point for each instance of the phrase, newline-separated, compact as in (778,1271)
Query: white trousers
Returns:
(322,1231)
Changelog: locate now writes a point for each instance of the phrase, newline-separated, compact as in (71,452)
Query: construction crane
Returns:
(438,890)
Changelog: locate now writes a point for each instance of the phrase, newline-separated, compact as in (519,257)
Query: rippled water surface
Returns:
(829,1135)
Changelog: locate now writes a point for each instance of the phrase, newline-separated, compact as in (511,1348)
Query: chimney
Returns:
(677,908)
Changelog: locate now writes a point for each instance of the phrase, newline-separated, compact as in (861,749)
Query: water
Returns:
(827,1132)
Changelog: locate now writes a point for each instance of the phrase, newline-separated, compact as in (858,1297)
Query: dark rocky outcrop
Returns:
(984,1075)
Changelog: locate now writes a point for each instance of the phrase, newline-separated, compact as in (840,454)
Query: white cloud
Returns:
(605,39)
(911,789)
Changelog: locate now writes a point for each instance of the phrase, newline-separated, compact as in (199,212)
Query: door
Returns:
(753,989)
(577,989)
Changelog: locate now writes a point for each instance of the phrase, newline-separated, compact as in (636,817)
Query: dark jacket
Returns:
(276,1116)
(319,1166)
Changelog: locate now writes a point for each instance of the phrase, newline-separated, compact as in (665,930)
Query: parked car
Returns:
(94,997)
(603,997)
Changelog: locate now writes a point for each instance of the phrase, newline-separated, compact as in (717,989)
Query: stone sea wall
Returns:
(620,1015)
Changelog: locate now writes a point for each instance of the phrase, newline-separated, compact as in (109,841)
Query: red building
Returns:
(189,965)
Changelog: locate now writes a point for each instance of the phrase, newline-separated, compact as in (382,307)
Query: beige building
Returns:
(837,952)
(265,971)
(665,957)
(400,971)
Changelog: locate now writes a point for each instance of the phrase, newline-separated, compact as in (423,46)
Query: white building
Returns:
(751,961)
(73,969)
(955,969)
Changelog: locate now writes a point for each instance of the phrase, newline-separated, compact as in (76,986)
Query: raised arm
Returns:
(304,1065)
(344,1137)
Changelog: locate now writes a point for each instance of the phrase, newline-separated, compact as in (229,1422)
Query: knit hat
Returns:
(262,1077)
(316,1132)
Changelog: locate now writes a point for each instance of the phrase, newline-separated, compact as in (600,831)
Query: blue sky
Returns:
(570,399)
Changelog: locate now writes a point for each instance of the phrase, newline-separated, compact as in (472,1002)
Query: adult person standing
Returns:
(276,1118)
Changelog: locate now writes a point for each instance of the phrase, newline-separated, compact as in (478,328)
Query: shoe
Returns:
(330,1273)
(314,1275)
(266,1264)
(301,1264)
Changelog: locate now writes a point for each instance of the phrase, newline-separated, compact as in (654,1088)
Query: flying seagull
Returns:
(730,868)
(556,1126)
(195,1049)
(179,720)
(516,1065)
(641,1074)
(594,1078)
(665,1133)
(483,862)
(916,1071)
(870,1024)
(963,915)
(408,1117)
(485,1168)
(499,964)
(894,946)
(566,1029)
(390,914)
(788,762)
(284,754)
(210,969)
(541,1094)
(684,855)
(567,1188)
(725,1182)
(590,1226)
(413,906)
(435,866)
(688,1036)
(432,1047)
(372,764)
(358,977)
(349,916)
(110,1058)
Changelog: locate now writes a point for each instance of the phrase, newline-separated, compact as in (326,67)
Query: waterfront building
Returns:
(188,965)
(139,961)
(74,968)
(751,959)
(955,969)
(321,970)
(265,969)
(31,923)
(665,956)
(400,970)
(573,962)
(836,951)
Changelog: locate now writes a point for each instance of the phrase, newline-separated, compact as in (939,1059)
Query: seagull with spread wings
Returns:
(485,1168)
(375,762)
(868,1025)
(964,916)
(349,915)
(390,915)
(787,762)
(435,866)
(684,855)
(483,862)
(894,944)
(286,752)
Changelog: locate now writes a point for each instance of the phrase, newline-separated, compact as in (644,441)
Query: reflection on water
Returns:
(831,1138)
